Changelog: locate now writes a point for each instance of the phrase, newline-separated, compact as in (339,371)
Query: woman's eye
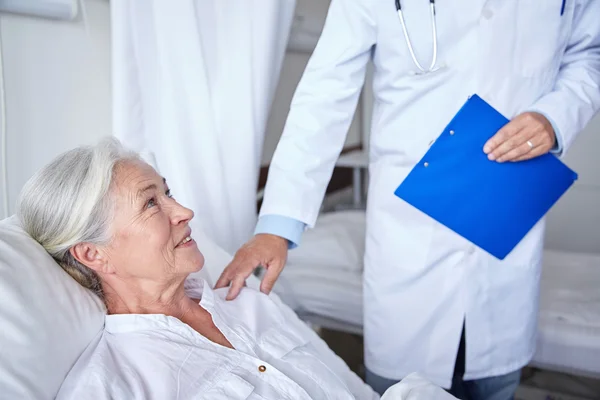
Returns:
(169,194)
(151,203)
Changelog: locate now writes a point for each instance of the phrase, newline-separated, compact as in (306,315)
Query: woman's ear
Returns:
(90,255)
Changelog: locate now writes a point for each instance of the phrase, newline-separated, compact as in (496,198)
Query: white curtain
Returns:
(193,82)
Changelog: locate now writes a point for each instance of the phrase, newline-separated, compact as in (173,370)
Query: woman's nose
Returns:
(180,214)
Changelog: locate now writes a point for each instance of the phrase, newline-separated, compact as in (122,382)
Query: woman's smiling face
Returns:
(150,233)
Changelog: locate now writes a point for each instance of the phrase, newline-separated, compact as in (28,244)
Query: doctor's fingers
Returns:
(534,140)
(234,269)
(523,145)
(511,141)
(238,282)
(541,146)
(497,145)
(271,276)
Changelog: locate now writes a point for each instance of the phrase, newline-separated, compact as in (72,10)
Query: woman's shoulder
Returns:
(123,366)
(88,374)
(249,300)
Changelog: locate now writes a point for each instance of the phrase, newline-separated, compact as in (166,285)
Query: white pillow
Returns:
(46,318)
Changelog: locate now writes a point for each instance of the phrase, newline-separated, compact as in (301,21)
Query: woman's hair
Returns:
(68,202)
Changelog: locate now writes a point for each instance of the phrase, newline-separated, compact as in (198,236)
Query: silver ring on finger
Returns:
(531,146)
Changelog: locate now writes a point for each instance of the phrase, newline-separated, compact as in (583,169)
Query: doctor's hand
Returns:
(269,251)
(526,136)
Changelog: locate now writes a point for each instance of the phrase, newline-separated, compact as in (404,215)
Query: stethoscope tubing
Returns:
(409,42)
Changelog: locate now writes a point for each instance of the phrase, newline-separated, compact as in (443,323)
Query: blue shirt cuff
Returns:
(558,146)
(285,227)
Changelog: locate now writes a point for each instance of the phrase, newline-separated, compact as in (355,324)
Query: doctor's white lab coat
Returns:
(421,281)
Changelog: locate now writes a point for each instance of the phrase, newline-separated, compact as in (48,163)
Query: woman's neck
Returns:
(166,298)
(147,297)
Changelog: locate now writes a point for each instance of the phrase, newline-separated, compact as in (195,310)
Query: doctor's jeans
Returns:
(494,388)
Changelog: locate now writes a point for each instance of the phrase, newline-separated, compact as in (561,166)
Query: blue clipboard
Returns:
(493,205)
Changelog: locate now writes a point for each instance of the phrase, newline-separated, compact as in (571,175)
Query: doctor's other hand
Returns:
(268,251)
(526,136)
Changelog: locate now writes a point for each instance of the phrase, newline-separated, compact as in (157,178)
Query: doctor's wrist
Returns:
(272,237)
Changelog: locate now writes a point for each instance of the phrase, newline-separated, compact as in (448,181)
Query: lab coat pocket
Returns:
(541,36)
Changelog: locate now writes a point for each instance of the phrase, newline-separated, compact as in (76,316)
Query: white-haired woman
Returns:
(111,222)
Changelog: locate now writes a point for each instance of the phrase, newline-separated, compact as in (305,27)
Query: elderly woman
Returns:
(112,223)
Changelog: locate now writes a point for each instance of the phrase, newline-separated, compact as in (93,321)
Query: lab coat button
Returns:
(471,250)
(487,13)
(262,368)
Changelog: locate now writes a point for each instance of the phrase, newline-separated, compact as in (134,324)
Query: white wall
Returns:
(293,67)
(57,81)
(574,222)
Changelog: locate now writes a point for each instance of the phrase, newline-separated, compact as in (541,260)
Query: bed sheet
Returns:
(569,319)
(322,280)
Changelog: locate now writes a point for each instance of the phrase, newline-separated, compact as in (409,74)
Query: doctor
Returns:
(433,302)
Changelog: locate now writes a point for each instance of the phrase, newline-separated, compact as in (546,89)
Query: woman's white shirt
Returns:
(159,357)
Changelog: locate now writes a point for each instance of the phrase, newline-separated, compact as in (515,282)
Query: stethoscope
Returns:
(409,43)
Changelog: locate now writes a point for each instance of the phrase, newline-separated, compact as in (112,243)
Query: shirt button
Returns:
(487,13)
(262,368)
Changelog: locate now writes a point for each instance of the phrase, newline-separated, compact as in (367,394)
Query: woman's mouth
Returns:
(188,241)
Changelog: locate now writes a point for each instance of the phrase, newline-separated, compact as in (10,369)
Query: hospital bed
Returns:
(48,319)
(322,283)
